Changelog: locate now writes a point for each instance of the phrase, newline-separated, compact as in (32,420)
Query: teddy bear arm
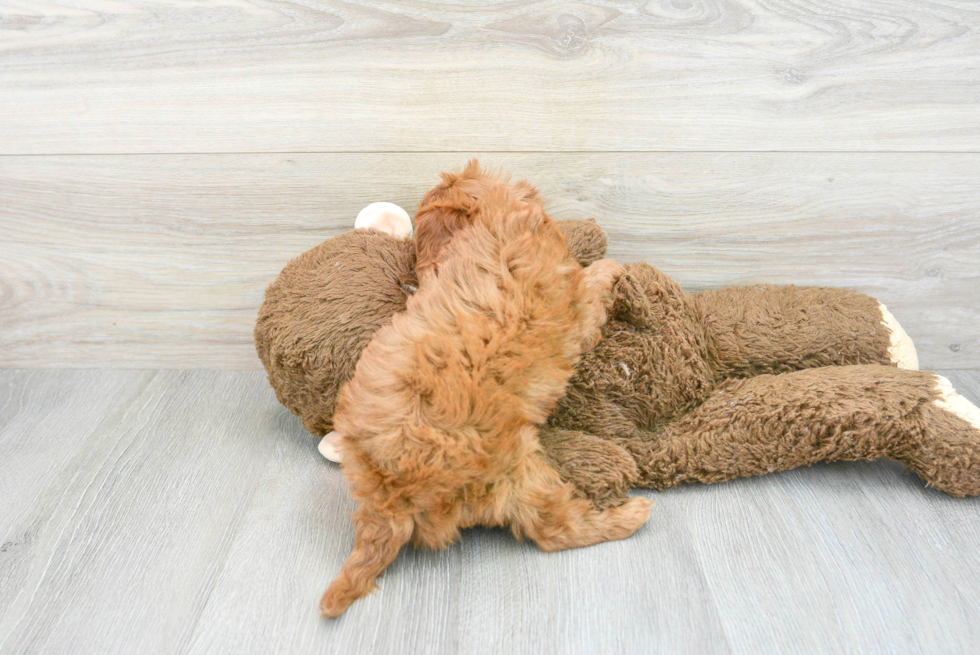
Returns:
(600,470)
(777,329)
(778,422)
(585,239)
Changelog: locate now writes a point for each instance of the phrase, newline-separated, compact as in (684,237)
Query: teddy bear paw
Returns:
(330,446)
(955,403)
(901,350)
(602,276)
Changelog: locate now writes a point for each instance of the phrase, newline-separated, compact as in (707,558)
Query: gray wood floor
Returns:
(188,512)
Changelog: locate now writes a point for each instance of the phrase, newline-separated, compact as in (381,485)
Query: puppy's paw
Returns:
(592,338)
(608,268)
(630,516)
(602,276)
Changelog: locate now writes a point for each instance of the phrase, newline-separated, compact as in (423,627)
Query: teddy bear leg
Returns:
(779,329)
(777,422)
(601,471)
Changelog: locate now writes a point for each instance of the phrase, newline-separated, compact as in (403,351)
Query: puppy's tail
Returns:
(377,541)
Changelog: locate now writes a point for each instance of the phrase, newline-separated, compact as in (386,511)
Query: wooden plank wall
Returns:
(160,162)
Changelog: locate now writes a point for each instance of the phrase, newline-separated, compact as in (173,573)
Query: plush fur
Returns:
(824,414)
(439,420)
(682,387)
(746,381)
(327,304)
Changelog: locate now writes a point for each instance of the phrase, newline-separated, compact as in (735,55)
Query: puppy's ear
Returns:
(449,208)
(442,213)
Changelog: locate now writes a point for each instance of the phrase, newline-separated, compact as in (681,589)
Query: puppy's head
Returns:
(456,203)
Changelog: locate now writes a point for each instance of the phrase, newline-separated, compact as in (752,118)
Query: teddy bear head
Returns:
(327,303)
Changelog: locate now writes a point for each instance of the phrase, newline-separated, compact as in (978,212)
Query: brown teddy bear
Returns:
(683,387)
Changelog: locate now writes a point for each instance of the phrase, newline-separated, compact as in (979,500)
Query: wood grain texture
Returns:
(119,553)
(161,261)
(44,420)
(825,559)
(377,75)
(195,516)
(618,597)
(290,546)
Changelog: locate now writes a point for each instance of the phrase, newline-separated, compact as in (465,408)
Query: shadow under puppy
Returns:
(439,422)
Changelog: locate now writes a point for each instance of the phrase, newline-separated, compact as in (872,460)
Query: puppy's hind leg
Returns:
(377,540)
(546,510)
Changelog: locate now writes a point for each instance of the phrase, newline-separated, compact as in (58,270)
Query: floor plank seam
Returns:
(478,151)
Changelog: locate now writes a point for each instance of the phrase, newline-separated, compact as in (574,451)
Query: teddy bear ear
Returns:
(386,217)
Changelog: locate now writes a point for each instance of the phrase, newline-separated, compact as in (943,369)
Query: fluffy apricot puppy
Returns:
(439,420)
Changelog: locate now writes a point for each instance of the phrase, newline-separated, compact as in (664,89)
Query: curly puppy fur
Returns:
(439,420)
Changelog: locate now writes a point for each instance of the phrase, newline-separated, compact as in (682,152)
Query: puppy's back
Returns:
(484,346)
